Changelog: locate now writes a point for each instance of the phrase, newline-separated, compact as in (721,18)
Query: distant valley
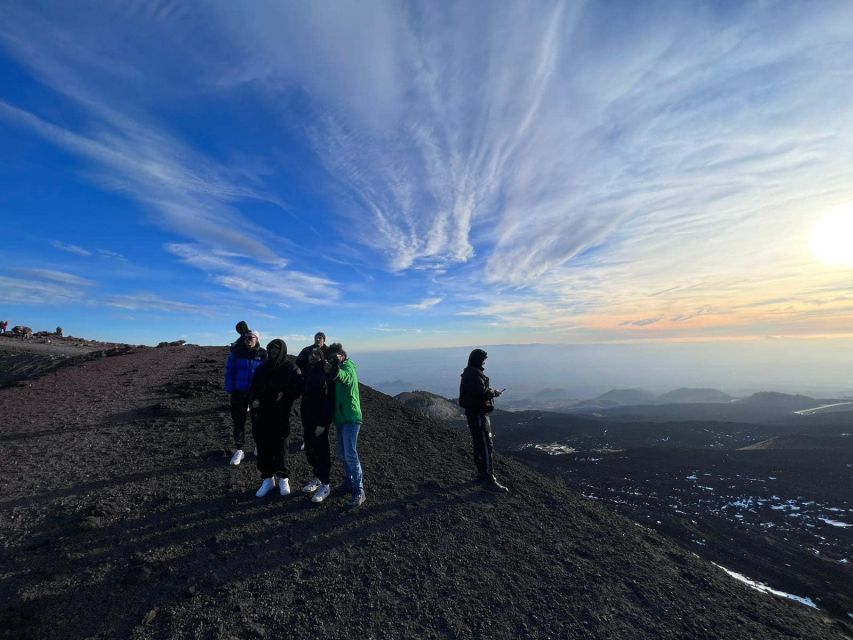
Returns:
(762,484)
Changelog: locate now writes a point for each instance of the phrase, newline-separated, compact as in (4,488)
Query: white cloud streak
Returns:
(270,283)
(70,248)
(587,162)
(60,277)
(424,304)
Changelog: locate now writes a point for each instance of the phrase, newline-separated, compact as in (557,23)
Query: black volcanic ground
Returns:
(773,500)
(121,518)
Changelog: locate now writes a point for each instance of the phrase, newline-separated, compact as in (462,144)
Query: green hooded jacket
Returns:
(347,401)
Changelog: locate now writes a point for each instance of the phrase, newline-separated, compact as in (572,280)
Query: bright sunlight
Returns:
(832,238)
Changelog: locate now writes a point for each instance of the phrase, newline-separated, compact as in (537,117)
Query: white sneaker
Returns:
(266,486)
(284,486)
(322,493)
(237,458)
(312,486)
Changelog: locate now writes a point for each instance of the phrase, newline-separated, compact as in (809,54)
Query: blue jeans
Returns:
(348,453)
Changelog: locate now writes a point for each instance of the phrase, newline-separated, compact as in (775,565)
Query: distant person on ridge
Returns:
(348,419)
(318,405)
(3,326)
(477,398)
(277,383)
(245,357)
(319,343)
(242,329)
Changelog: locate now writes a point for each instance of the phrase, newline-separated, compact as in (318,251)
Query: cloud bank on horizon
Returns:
(422,174)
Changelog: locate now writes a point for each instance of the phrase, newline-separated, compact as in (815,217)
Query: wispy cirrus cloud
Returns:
(148,302)
(50,291)
(184,190)
(580,168)
(70,248)
(268,283)
(51,275)
(424,304)
(561,143)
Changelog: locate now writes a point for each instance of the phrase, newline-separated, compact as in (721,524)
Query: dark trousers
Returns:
(481,438)
(271,435)
(317,450)
(239,406)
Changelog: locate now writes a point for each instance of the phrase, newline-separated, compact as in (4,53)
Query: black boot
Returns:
(492,484)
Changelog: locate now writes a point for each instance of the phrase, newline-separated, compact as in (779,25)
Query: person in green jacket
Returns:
(347,419)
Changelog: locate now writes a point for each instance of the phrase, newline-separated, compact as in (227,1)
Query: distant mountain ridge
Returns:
(685,403)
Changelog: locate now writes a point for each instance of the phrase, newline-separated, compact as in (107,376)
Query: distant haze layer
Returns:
(811,367)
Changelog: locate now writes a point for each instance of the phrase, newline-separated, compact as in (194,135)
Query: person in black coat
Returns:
(318,402)
(477,398)
(276,385)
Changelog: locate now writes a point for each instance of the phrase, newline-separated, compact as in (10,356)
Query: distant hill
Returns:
(781,401)
(544,399)
(613,398)
(431,405)
(688,396)
(393,387)
(627,396)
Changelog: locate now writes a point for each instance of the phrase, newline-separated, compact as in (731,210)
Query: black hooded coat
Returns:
(475,395)
(277,383)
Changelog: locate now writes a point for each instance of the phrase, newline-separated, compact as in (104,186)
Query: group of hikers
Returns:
(263,385)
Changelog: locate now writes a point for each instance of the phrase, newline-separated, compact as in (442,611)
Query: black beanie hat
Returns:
(242,328)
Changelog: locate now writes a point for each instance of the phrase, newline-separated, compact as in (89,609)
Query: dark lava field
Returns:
(121,518)
(755,498)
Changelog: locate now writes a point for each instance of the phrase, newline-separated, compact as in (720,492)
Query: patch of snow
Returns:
(835,523)
(691,477)
(759,586)
(554,449)
(808,412)
(740,503)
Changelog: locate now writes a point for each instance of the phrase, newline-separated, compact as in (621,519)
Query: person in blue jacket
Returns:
(243,360)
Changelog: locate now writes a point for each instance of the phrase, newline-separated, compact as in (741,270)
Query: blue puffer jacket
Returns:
(240,368)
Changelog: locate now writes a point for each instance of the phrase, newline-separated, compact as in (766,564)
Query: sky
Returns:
(409,175)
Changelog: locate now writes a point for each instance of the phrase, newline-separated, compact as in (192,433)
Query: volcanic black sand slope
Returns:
(121,518)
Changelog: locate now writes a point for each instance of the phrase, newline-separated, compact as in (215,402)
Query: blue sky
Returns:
(427,174)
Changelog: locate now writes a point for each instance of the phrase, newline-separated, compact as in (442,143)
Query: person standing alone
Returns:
(477,398)
(245,357)
(347,419)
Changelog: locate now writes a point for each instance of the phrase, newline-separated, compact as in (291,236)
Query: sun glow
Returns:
(832,238)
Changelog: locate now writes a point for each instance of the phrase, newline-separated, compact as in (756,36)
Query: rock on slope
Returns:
(121,518)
